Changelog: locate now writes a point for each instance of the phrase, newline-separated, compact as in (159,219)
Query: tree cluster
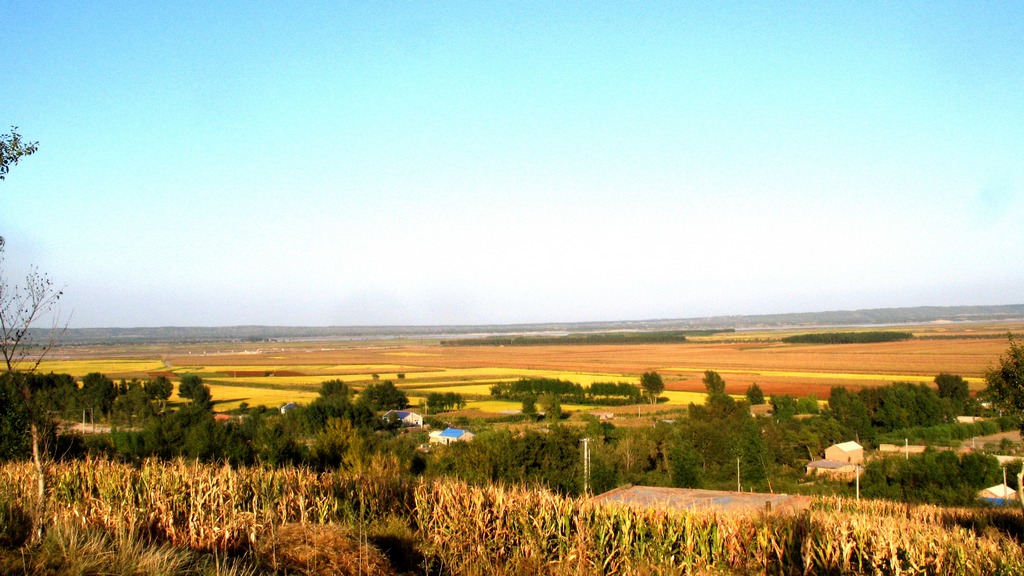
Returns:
(872,411)
(444,402)
(934,477)
(848,337)
(602,393)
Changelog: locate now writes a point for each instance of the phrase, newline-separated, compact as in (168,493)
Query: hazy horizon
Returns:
(897,316)
(460,164)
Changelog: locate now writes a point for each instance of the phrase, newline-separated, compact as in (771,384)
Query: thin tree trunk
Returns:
(39,520)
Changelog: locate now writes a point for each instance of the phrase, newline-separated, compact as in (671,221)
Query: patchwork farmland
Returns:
(273,373)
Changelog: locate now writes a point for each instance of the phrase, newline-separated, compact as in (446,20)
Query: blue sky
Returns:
(343,163)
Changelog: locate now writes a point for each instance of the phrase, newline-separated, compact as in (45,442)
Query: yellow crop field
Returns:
(229,397)
(433,379)
(685,398)
(475,389)
(496,406)
(111,368)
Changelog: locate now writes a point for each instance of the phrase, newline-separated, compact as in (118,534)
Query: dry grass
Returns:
(107,517)
(508,530)
(320,549)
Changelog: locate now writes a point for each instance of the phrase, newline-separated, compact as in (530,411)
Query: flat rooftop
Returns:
(695,499)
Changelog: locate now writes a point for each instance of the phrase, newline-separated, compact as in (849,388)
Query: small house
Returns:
(1000,495)
(288,407)
(450,436)
(849,452)
(405,417)
(831,468)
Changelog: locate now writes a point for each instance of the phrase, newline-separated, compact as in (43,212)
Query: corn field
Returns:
(496,530)
(203,506)
(465,529)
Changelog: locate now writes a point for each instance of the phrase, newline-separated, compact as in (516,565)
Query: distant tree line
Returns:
(848,337)
(662,337)
(602,393)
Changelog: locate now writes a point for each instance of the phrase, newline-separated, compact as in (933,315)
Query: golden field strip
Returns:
(278,372)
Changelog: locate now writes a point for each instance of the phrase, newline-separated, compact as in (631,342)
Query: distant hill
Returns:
(876,316)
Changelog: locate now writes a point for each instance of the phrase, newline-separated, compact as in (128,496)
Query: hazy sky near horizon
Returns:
(344,163)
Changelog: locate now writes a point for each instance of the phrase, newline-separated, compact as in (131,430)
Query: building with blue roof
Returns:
(450,435)
(407,418)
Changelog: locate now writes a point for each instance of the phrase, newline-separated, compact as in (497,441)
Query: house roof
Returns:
(848,446)
(1000,491)
(689,499)
(452,433)
(827,464)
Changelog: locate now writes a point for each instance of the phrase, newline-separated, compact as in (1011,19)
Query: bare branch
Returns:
(21,308)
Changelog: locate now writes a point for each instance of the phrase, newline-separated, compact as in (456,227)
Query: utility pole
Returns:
(857,467)
(906,443)
(586,464)
(738,488)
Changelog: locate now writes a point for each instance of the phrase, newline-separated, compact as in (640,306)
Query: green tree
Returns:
(444,402)
(807,404)
(954,389)
(1004,386)
(340,445)
(851,412)
(784,406)
(754,395)
(158,391)
(335,401)
(13,149)
(713,383)
(383,396)
(552,406)
(98,393)
(529,405)
(15,441)
(334,389)
(133,405)
(192,388)
(685,466)
(718,404)
(653,385)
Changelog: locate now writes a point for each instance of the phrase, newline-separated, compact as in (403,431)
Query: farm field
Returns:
(273,373)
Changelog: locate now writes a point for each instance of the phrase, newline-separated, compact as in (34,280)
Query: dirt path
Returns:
(979,441)
(89,428)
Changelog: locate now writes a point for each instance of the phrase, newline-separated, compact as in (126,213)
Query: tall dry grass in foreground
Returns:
(277,515)
(291,520)
(208,507)
(512,531)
